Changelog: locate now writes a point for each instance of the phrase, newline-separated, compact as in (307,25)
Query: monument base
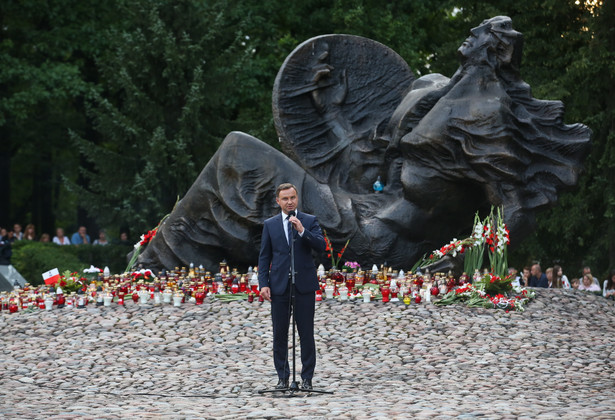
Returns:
(9,278)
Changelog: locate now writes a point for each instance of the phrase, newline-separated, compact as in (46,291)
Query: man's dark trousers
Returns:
(304,318)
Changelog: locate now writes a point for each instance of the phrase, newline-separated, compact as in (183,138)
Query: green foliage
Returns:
(32,259)
(580,230)
(149,88)
(112,256)
(168,78)
(47,52)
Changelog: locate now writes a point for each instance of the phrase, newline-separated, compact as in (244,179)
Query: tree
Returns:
(568,55)
(162,110)
(581,230)
(47,55)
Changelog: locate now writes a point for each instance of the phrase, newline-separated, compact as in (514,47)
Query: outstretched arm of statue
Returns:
(329,90)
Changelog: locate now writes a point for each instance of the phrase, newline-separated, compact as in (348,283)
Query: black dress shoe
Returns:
(282,384)
(306,384)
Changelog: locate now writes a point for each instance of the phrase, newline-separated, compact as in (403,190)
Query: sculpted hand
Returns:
(266,293)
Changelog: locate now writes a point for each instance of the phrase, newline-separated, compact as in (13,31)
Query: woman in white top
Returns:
(588,284)
(60,239)
(608,289)
(560,278)
(102,238)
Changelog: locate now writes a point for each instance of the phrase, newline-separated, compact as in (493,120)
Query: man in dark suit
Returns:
(538,278)
(274,280)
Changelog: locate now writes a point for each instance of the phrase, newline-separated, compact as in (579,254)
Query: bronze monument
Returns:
(347,111)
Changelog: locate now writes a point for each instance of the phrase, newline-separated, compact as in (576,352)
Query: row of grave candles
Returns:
(194,284)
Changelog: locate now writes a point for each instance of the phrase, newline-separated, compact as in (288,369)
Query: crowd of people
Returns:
(81,237)
(554,278)
(78,238)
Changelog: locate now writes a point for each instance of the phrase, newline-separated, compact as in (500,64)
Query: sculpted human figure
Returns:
(347,110)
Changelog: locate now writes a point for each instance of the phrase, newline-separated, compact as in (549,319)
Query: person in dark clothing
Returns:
(538,278)
(5,252)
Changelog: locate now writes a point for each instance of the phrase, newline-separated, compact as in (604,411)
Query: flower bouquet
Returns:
(146,275)
(494,285)
(474,297)
(331,253)
(231,297)
(71,282)
(493,289)
(491,231)
(351,266)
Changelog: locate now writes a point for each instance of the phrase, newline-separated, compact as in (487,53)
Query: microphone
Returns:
(291,214)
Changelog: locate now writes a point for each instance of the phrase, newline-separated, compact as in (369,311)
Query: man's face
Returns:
(17,228)
(535,270)
(287,200)
(59,232)
(82,230)
(587,270)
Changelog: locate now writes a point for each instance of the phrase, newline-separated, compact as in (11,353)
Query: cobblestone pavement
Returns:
(556,359)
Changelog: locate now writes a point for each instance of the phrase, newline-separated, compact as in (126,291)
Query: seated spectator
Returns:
(608,290)
(44,237)
(17,234)
(124,239)
(560,278)
(80,237)
(588,284)
(60,239)
(102,238)
(587,270)
(30,233)
(513,274)
(525,277)
(549,274)
(574,283)
(538,278)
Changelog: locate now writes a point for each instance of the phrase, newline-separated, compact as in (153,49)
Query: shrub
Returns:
(112,256)
(32,259)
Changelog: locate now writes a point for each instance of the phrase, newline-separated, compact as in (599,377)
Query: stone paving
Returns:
(386,361)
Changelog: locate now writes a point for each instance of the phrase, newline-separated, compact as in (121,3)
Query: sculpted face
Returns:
(496,33)
(287,200)
(478,40)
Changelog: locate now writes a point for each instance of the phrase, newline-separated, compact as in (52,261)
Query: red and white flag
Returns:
(51,276)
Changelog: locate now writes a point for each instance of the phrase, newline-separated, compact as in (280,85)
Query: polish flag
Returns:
(51,276)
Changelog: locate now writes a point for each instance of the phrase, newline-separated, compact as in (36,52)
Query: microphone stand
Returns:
(293,388)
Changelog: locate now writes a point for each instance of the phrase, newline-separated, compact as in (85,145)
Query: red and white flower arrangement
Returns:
(331,253)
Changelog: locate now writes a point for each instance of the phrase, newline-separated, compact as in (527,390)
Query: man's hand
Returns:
(296,224)
(266,293)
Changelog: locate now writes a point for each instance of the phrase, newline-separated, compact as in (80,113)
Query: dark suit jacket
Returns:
(541,282)
(274,258)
